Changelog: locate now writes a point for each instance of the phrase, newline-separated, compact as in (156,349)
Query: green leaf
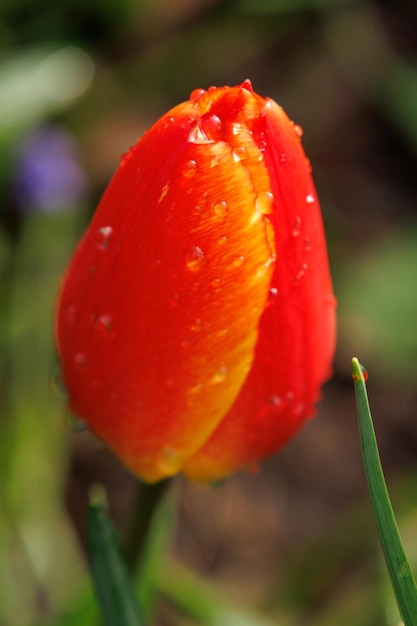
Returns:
(398,567)
(113,586)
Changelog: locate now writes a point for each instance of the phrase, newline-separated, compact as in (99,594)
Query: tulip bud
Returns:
(195,324)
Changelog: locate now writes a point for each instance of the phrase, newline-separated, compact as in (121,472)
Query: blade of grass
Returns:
(398,567)
(111,580)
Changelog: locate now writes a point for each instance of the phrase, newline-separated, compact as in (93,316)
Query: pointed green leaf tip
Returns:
(398,567)
(111,580)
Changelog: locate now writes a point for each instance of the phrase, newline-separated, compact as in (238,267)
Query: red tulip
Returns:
(195,324)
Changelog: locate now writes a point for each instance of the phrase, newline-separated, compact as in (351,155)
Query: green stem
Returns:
(146,501)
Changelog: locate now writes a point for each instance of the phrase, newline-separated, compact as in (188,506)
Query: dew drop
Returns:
(264,202)
(307,244)
(212,126)
(298,130)
(126,156)
(197,209)
(273,294)
(103,237)
(195,259)
(196,326)
(104,323)
(196,94)
(220,208)
(216,282)
(70,313)
(208,129)
(301,272)
(282,157)
(236,129)
(215,161)
(296,229)
(80,359)
(238,261)
(169,461)
(240,154)
(275,401)
(299,409)
(198,136)
(170,120)
(219,376)
(310,198)
(262,269)
(190,169)
(222,240)
(74,423)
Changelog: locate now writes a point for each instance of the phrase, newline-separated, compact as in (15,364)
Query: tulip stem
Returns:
(146,501)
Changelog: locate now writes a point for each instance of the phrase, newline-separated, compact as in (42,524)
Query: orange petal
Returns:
(158,315)
(297,328)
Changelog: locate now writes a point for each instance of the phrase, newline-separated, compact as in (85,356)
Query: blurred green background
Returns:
(294,544)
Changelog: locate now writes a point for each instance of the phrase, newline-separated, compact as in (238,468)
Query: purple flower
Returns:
(48,176)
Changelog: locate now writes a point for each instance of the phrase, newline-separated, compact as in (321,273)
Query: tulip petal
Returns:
(297,328)
(158,314)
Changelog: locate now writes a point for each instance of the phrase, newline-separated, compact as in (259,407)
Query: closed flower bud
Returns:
(195,323)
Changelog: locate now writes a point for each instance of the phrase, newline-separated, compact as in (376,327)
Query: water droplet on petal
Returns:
(220,208)
(103,237)
(197,325)
(216,282)
(104,323)
(273,294)
(215,161)
(301,272)
(222,240)
(275,401)
(195,259)
(70,313)
(307,244)
(296,229)
(219,376)
(239,154)
(238,261)
(80,359)
(298,130)
(169,461)
(190,169)
(236,129)
(212,126)
(264,202)
(126,156)
(196,94)
(310,198)
(282,157)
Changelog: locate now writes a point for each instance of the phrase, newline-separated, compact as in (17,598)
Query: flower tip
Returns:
(247,84)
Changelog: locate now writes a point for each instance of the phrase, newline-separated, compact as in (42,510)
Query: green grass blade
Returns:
(112,584)
(398,567)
